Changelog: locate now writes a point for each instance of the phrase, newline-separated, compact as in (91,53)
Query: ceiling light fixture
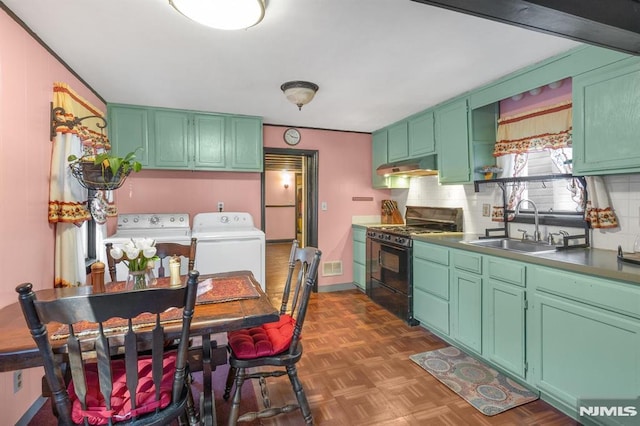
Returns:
(299,92)
(222,14)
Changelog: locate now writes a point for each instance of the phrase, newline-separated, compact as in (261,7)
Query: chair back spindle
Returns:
(112,355)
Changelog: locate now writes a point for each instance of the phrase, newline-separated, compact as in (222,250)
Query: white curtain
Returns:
(67,198)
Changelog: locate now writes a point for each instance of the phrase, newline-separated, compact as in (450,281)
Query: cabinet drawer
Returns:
(467,261)
(431,278)
(359,252)
(612,295)
(359,234)
(509,272)
(432,253)
(432,311)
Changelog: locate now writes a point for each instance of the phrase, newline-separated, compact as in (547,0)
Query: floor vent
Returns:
(332,268)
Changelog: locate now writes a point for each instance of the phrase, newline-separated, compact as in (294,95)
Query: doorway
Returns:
(290,198)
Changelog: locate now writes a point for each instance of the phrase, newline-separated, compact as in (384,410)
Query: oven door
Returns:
(389,265)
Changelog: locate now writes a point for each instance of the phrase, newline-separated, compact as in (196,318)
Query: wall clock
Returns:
(292,136)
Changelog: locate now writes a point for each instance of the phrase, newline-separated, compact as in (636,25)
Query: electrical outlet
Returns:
(220,206)
(323,206)
(17,381)
(486,210)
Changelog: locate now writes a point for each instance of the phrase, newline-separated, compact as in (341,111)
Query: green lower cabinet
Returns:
(431,295)
(359,257)
(466,310)
(584,352)
(505,325)
(431,286)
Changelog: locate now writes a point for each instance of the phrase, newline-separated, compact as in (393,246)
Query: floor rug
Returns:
(489,391)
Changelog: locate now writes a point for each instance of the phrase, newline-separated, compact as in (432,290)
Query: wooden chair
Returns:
(275,344)
(164,250)
(110,382)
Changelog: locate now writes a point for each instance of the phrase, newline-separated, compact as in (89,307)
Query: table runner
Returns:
(216,290)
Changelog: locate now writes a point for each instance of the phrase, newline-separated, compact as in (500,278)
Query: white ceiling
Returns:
(376,61)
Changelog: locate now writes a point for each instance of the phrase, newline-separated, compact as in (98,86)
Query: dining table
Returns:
(226,301)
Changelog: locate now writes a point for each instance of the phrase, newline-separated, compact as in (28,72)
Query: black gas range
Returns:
(389,252)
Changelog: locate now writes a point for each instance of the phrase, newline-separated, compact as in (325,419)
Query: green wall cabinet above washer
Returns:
(187,140)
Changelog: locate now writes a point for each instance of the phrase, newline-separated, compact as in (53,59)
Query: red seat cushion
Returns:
(268,339)
(97,412)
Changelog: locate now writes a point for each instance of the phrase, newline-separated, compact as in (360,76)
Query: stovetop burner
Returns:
(419,220)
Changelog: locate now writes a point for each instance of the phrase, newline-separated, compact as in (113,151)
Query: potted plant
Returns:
(104,170)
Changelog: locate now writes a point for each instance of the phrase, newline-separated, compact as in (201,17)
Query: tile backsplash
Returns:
(624,192)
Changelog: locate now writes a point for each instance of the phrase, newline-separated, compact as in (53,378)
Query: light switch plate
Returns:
(486,210)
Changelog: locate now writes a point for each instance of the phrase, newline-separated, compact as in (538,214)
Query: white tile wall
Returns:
(624,192)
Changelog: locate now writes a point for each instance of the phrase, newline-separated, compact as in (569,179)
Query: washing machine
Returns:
(229,241)
(162,227)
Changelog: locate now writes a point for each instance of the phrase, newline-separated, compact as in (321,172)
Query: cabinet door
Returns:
(422,139)
(452,140)
(584,352)
(466,305)
(379,157)
(431,294)
(129,131)
(208,132)
(246,144)
(606,129)
(505,315)
(398,148)
(359,258)
(171,134)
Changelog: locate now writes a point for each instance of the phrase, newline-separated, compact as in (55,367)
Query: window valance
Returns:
(544,128)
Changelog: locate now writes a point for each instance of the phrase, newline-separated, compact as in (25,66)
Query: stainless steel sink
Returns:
(509,244)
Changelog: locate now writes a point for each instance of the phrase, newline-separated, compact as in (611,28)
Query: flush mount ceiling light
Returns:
(299,92)
(222,14)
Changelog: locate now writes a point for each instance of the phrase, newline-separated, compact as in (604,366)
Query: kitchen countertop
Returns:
(591,261)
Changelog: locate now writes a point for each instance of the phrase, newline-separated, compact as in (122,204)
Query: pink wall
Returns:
(27,74)
(280,222)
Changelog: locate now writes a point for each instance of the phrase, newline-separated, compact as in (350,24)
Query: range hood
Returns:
(613,24)
(425,166)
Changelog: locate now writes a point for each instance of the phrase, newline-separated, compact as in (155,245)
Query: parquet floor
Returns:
(356,371)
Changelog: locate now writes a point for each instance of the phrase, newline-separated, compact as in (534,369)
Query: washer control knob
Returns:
(154,220)
(135,220)
(173,219)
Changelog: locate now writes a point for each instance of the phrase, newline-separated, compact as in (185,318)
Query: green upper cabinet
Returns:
(129,131)
(452,140)
(606,124)
(209,143)
(379,141)
(245,145)
(171,136)
(379,157)
(398,142)
(422,139)
(188,140)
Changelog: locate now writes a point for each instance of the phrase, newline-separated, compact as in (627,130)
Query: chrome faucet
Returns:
(536,220)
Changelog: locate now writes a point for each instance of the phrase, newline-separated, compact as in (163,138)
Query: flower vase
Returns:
(137,280)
